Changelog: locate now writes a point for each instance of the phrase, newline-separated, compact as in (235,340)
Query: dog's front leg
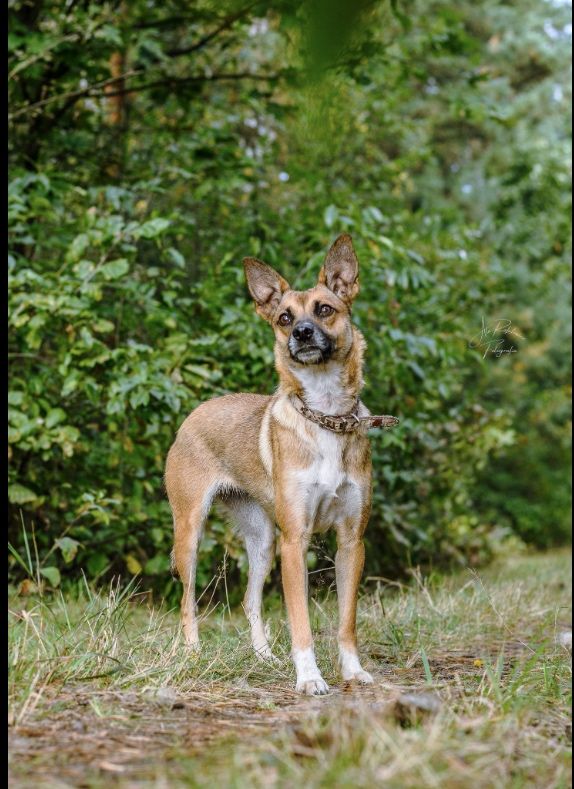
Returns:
(294,576)
(348,569)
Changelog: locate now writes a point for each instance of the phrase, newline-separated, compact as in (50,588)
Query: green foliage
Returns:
(437,135)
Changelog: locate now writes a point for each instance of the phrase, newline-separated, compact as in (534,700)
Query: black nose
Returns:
(303,331)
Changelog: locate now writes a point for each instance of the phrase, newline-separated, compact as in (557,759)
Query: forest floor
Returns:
(472,689)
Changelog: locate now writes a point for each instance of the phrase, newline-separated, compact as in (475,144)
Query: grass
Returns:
(472,689)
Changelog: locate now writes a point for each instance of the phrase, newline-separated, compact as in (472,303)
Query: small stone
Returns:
(565,639)
(166,696)
(411,709)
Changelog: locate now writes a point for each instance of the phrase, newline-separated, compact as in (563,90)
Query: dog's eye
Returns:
(324,310)
(284,319)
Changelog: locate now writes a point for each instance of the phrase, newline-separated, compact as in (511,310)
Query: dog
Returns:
(299,459)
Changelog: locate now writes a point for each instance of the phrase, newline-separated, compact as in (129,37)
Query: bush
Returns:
(439,148)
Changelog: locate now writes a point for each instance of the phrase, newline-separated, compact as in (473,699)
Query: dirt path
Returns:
(102,695)
(82,734)
(78,736)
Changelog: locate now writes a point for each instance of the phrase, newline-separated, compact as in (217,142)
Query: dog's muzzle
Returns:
(308,344)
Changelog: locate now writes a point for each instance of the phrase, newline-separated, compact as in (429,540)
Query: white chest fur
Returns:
(328,495)
(323,389)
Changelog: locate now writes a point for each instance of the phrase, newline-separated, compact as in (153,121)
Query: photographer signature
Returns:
(492,339)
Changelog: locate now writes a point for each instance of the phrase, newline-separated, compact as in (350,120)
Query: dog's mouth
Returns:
(311,354)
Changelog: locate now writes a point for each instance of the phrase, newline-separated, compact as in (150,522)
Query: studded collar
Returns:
(344,423)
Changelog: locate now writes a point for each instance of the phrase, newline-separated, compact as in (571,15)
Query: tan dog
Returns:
(280,460)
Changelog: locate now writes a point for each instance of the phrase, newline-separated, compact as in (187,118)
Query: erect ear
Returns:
(265,285)
(340,272)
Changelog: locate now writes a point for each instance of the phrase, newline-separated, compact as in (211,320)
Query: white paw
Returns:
(309,679)
(351,669)
(265,654)
(362,677)
(312,687)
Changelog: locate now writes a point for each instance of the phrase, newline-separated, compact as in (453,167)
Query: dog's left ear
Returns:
(340,272)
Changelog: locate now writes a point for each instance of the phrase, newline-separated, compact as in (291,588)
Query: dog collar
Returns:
(344,423)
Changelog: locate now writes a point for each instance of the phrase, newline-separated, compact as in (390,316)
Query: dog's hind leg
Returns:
(190,507)
(258,533)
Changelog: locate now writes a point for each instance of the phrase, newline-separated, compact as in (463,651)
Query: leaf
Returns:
(134,567)
(426,666)
(176,257)
(330,215)
(416,257)
(69,548)
(202,372)
(86,336)
(103,326)
(428,342)
(399,536)
(139,397)
(151,50)
(84,268)
(77,248)
(96,563)
(18,494)
(152,228)
(110,34)
(52,575)
(54,417)
(14,435)
(115,268)
(157,565)
(375,213)
(417,370)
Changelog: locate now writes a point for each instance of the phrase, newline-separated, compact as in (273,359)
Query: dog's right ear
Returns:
(265,285)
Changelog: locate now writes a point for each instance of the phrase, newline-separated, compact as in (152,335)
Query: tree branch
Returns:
(188,80)
(168,21)
(73,94)
(92,92)
(227,23)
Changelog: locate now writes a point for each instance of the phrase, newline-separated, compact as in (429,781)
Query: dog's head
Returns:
(311,326)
